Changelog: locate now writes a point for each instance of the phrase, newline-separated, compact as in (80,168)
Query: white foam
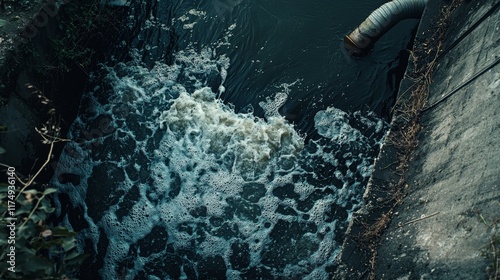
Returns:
(333,123)
(203,157)
(252,141)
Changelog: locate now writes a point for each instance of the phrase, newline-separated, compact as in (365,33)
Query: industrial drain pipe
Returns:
(379,22)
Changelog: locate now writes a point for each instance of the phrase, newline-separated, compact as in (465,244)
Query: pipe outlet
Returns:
(379,22)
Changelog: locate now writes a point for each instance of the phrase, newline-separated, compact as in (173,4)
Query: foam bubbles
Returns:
(333,123)
(272,105)
(191,178)
(252,141)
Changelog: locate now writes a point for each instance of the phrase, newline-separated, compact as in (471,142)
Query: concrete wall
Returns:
(443,228)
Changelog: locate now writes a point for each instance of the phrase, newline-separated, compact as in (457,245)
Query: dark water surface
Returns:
(227,139)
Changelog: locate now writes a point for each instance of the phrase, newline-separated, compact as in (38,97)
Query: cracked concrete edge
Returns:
(353,261)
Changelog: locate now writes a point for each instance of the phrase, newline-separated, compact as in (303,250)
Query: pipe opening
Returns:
(362,39)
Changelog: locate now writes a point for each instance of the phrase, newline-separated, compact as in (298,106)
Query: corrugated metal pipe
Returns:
(380,21)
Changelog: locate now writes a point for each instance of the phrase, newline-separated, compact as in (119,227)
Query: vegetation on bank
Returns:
(31,247)
(72,40)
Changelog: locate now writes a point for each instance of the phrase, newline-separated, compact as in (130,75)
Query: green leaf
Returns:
(3,236)
(3,23)
(62,232)
(2,150)
(49,191)
(47,210)
(38,216)
(68,244)
(27,231)
(22,201)
(37,243)
(76,261)
(37,264)
(22,210)
(52,243)
(72,256)
(33,192)
(45,203)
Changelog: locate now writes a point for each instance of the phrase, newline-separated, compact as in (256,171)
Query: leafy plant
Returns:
(2,128)
(25,4)
(38,250)
(83,26)
(41,251)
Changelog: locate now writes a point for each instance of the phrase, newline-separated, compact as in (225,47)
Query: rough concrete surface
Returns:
(444,226)
(455,174)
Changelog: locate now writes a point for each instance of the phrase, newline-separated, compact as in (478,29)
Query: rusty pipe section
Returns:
(380,21)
